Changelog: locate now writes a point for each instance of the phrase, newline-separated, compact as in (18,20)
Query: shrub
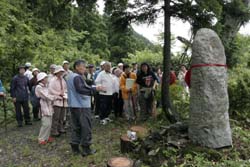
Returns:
(239,93)
(179,99)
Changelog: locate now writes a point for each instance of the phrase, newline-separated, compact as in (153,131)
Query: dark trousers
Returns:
(105,106)
(81,126)
(35,110)
(146,105)
(57,120)
(97,104)
(19,116)
(118,104)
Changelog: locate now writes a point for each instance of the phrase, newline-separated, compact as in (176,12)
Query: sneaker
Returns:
(108,119)
(50,140)
(42,142)
(103,122)
(96,116)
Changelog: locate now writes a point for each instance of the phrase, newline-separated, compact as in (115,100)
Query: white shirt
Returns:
(107,81)
(28,74)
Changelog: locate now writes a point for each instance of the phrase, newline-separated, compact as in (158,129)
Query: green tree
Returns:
(199,14)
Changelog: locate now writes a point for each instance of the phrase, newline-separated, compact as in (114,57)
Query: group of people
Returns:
(64,98)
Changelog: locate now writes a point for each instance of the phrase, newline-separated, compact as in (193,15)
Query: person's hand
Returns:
(100,88)
(59,97)
(14,100)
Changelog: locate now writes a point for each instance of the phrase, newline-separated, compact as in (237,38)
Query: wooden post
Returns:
(120,162)
(127,145)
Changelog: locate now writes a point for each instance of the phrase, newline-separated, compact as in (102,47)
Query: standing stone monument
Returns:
(209,120)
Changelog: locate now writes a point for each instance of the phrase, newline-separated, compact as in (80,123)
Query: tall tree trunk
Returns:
(166,103)
(231,26)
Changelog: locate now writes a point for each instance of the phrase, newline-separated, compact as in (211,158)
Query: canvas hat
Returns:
(65,62)
(102,63)
(35,69)
(52,66)
(58,69)
(41,76)
(28,64)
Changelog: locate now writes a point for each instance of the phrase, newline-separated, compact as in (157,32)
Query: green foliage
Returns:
(45,32)
(180,100)
(239,92)
(148,56)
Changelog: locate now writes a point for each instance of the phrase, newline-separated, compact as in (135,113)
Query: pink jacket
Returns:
(55,89)
(45,99)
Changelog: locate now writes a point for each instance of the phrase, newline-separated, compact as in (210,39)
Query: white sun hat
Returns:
(28,64)
(41,76)
(102,63)
(58,69)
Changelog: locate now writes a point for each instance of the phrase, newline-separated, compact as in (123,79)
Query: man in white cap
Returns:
(67,71)
(105,79)
(28,73)
(58,87)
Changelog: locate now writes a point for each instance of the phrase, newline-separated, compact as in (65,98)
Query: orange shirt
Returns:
(125,91)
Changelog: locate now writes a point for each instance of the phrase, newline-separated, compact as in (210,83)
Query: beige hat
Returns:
(41,76)
(58,69)
(35,69)
(65,62)
(52,66)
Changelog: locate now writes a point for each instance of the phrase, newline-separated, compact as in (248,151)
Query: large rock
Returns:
(209,120)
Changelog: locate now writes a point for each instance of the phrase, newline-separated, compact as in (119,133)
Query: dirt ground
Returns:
(19,147)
